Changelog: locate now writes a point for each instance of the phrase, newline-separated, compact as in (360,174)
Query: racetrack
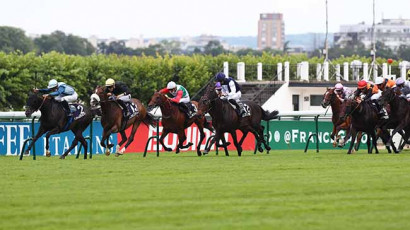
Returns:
(282,190)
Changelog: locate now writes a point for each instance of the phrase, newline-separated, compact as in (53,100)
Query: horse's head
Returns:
(100,92)
(33,103)
(387,96)
(95,103)
(157,99)
(328,97)
(204,104)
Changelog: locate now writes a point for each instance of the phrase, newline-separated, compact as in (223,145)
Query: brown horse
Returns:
(175,121)
(112,118)
(226,120)
(330,98)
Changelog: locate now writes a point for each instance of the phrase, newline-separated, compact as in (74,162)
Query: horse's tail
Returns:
(266,115)
(150,120)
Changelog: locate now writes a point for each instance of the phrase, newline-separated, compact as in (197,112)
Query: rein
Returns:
(42,103)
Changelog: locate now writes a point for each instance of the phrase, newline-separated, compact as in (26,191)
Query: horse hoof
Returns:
(205,152)
(107,152)
(189,144)
(199,153)
(168,149)
(260,149)
(118,154)
(48,154)
(62,157)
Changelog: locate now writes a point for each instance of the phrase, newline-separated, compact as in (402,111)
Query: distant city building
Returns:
(271,31)
(133,43)
(392,32)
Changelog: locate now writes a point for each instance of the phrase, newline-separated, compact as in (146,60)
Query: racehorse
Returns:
(112,118)
(364,118)
(330,98)
(54,120)
(225,119)
(399,115)
(175,121)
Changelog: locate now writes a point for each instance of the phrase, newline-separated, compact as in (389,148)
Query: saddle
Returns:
(188,108)
(77,111)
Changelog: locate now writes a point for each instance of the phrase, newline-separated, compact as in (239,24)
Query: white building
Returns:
(392,32)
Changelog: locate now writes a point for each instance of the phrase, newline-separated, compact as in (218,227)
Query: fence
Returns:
(291,131)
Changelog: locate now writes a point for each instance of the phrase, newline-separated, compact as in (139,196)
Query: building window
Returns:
(316,100)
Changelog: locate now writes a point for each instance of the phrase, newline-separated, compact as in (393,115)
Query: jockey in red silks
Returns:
(180,96)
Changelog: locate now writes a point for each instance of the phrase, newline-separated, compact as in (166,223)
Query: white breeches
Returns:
(376,96)
(125,98)
(236,96)
(185,100)
(69,98)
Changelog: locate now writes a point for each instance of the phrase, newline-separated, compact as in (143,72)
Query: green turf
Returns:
(282,190)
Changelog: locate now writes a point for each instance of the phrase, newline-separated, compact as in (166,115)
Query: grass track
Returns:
(282,190)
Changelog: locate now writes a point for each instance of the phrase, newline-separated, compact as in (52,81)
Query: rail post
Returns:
(153,137)
(314,134)
(29,139)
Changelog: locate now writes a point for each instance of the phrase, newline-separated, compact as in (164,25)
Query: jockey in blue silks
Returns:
(61,92)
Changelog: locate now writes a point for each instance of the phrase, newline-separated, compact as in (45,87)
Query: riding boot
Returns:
(124,107)
(191,109)
(185,108)
(124,114)
(66,108)
(239,108)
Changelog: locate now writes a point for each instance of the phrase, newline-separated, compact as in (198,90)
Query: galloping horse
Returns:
(330,98)
(54,120)
(226,119)
(399,115)
(112,118)
(175,121)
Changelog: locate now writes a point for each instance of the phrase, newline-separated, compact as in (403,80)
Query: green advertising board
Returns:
(294,134)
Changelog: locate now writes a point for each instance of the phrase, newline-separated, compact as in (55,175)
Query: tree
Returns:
(214,48)
(60,42)
(13,39)
(404,52)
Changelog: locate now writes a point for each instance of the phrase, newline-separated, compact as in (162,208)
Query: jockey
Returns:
(403,87)
(382,83)
(342,92)
(61,92)
(232,91)
(180,96)
(367,90)
(119,92)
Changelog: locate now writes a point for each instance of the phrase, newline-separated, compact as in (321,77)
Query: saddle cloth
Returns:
(245,107)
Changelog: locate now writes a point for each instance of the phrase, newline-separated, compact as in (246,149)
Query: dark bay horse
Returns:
(54,119)
(176,121)
(399,115)
(112,118)
(365,119)
(225,119)
(330,98)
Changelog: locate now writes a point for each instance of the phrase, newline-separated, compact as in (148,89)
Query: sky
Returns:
(168,18)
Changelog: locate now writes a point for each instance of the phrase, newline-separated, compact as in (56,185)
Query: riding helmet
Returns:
(220,77)
(171,85)
(361,84)
(52,84)
(109,82)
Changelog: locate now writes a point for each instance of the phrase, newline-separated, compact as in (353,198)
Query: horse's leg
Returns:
(374,142)
(161,140)
(73,144)
(201,139)
(181,140)
(106,137)
(40,133)
(262,139)
(244,134)
(405,138)
(130,138)
(353,133)
(221,137)
(358,141)
(398,128)
(211,142)
(369,150)
(235,142)
(123,140)
(51,132)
